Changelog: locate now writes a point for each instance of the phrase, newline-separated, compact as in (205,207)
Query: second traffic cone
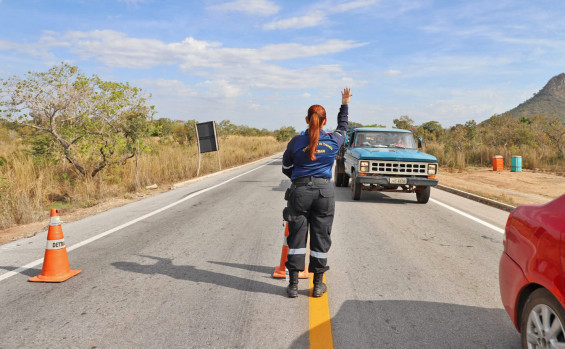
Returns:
(280,270)
(56,266)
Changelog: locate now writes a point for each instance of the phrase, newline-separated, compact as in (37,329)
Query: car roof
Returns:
(379,129)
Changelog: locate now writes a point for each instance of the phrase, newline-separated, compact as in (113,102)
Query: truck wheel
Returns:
(338,177)
(355,187)
(423,194)
(345,181)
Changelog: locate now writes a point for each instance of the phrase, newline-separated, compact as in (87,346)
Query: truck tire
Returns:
(355,187)
(345,181)
(338,177)
(423,194)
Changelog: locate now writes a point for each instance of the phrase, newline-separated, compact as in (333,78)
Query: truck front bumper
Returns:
(385,180)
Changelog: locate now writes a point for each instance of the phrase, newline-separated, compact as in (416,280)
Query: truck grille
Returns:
(399,168)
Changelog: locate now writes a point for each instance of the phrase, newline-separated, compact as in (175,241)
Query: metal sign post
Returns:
(207,138)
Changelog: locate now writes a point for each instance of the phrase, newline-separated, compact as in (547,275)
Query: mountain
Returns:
(550,100)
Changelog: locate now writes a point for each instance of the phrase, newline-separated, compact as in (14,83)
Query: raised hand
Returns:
(346,95)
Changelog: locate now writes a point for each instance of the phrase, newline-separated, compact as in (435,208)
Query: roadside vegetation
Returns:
(72,141)
(539,140)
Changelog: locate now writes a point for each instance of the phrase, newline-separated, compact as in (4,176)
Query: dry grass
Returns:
(28,188)
(481,155)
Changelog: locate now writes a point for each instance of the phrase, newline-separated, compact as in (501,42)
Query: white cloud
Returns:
(448,106)
(41,49)
(436,65)
(116,49)
(293,50)
(220,75)
(310,20)
(393,72)
(272,77)
(221,88)
(317,15)
(254,7)
(211,100)
(352,5)
(170,87)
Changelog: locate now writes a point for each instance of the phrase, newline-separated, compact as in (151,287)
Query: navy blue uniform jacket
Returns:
(296,161)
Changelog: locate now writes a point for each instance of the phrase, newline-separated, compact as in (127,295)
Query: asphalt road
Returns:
(197,274)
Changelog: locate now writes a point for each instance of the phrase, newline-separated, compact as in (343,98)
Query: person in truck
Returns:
(308,161)
(360,140)
(398,142)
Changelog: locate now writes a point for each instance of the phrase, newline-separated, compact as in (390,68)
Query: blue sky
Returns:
(263,63)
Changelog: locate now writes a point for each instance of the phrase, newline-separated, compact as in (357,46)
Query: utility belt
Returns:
(288,212)
(310,180)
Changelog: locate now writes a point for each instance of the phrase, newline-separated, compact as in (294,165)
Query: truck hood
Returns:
(393,154)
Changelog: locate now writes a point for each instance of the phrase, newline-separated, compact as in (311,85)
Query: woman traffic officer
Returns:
(308,161)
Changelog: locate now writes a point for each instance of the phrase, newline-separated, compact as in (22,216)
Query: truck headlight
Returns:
(364,166)
(432,169)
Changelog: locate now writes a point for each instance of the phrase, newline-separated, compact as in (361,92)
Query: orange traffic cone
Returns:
(280,270)
(56,266)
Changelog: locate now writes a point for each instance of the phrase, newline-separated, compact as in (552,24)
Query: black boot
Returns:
(292,289)
(319,287)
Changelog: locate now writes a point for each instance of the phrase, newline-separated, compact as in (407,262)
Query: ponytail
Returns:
(316,117)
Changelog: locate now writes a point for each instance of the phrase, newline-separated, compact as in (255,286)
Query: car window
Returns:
(383,140)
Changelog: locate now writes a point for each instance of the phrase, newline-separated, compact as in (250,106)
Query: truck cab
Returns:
(381,159)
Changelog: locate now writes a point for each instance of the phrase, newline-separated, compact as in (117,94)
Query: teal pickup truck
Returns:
(381,159)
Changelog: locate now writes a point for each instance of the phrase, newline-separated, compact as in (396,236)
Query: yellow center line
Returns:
(320,325)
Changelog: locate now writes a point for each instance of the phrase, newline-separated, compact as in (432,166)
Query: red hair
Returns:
(316,118)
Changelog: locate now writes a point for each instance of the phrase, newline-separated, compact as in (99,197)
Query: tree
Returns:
(87,117)
(433,130)
(404,122)
(135,129)
(162,127)
(225,128)
(430,130)
(357,124)
(285,133)
(538,126)
(554,130)
(185,133)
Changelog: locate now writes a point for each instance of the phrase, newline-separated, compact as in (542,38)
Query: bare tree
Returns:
(87,117)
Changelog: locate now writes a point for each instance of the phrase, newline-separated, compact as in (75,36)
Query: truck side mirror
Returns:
(420,141)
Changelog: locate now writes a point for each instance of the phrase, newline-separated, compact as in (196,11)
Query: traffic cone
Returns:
(56,266)
(280,270)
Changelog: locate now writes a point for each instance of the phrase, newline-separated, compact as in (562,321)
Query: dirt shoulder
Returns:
(27,230)
(514,188)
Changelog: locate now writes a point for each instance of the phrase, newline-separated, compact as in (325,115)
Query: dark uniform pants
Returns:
(312,205)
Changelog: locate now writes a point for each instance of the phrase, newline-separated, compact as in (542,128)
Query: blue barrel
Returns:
(516,164)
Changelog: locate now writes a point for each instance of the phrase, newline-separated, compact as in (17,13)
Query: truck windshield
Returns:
(384,140)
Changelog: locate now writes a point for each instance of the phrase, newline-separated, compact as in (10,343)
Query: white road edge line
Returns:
(486,224)
(108,232)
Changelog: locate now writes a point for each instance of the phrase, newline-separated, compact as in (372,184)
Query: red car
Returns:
(532,273)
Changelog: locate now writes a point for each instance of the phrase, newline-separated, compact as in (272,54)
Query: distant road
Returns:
(197,273)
